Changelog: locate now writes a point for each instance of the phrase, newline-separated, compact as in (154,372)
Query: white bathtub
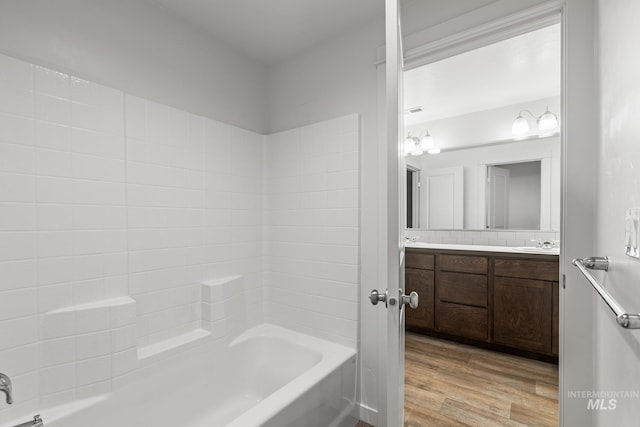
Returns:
(269,376)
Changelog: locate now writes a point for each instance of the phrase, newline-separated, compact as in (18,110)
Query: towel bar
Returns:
(624,319)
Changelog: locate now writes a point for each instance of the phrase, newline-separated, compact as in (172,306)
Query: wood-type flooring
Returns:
(451,384)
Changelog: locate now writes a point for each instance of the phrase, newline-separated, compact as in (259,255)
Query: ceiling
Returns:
(270,31)
(512,71)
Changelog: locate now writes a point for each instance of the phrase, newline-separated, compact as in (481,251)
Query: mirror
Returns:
(482,140)
(513,196)
(453,191)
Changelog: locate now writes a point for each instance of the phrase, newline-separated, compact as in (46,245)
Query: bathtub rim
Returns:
(333,356)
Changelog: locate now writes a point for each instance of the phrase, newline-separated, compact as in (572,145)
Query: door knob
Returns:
(411,299)
(377,297)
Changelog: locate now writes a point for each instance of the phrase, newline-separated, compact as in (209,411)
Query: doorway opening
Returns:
(413,197)
(485,145)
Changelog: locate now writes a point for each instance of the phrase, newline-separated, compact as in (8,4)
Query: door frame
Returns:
(492,31)
(416,183)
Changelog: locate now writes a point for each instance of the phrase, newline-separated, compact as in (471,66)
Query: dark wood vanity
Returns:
(500,300)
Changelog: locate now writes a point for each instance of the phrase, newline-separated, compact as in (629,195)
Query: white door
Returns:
(444,192)
(395,209)
(413,198)
(498,206)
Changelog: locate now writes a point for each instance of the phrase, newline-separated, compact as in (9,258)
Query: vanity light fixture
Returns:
(547,122)
(412,145)
(417,146)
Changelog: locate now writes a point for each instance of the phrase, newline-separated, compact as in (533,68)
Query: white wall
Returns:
(141,48)
(617,351)
(102,196)
(194,212)
(335,79)
(486,126)
(313,239)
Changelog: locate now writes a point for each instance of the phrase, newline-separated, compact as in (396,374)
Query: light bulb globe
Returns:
(426,142)
(520,126)
(548,121)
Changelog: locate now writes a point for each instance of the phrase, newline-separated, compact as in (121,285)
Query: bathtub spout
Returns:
(6,388)
(36,422)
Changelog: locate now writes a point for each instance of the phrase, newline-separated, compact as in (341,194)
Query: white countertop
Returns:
(482,248)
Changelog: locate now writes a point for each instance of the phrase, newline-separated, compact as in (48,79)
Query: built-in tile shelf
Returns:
(152,352)
(106,347)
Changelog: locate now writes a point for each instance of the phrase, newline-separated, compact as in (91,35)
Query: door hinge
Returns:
(564,281)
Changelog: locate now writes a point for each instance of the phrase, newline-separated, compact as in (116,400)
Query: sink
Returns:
(533,250)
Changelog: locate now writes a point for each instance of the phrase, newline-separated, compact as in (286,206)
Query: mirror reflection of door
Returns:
(413,197)
(514,194)
(444,194)
(498,192)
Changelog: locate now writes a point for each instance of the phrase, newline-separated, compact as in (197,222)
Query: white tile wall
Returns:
(195,212)
(234,229)
(481,237)
(105,196)
(50,255)
(313,213)
(223,307)
(165,217)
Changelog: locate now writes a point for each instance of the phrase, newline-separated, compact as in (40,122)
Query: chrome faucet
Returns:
(5,387)
(546,244)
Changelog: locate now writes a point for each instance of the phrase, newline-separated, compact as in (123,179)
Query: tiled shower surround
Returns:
(313,233)
(114,210)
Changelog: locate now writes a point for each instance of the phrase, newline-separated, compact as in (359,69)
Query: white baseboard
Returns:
(368,415)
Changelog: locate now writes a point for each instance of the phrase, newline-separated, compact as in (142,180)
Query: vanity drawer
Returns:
(527,269)
(461,288)
(419,260)
(463,264)
(462,321)
(422,282)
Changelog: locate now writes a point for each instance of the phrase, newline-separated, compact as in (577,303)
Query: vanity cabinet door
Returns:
(420,281)
(522,313)
(463,321)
